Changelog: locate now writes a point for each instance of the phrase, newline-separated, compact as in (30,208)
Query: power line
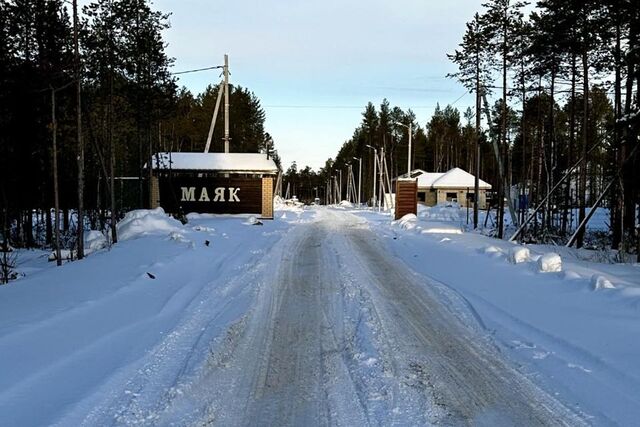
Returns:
(198,70)
(339,107)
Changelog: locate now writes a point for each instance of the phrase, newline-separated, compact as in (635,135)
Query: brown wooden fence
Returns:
(406,197)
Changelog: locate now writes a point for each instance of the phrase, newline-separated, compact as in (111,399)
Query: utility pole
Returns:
(213,118)
(381,170)
(409,154)
(226,103)
(476,181)
(359,159)
(80,158)
(349,195)
(375,164)
(340,187)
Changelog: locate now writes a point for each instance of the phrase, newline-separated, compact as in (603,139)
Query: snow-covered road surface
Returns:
(324,316)
(343,333)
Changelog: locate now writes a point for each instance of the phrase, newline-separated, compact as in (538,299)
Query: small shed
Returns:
(222,183)
(455,185)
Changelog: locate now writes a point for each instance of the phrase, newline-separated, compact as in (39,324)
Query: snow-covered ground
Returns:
(576,331)
(322,316)
(132,317)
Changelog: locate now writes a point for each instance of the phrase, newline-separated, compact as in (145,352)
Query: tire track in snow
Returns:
(343,333)
(464,375)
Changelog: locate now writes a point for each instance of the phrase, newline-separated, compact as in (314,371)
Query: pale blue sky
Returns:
(314,65)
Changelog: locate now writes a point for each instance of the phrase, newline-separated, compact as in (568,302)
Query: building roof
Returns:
(218,162)
(454,178)
(457,178)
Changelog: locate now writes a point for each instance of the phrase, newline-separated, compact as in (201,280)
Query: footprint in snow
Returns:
(582,368)
(519,345)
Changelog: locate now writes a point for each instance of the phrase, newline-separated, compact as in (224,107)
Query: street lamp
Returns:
(375,164)
(359,159)
(409,155)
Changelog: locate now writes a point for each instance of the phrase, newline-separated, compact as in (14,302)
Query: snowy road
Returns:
(342,333)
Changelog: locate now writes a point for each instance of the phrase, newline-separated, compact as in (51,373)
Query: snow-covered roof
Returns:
(428,178)
(218,162)
(454,178)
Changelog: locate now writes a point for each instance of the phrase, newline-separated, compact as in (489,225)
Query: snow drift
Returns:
(549,263)
(142,222)
(519,254)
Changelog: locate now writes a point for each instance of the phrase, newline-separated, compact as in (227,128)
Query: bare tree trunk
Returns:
(503,147)
(112,164)
(585,128)
(54,130)
(80,153)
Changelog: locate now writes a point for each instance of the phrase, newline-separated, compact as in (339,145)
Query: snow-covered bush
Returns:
(600,282)
(549,263)
(141,222)
(8,261)
(519,254)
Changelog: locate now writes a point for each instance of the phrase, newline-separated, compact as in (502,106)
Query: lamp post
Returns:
(375,164)
(409,154)
(348,195)
(359,159)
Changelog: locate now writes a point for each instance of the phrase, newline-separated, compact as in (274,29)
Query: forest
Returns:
(555,123)
(87,95)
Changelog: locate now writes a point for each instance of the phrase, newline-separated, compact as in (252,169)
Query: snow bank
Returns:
(293,205)
(599,282)
(346,204)
(277,201)
(407,222)
(441,229)
(142,222)
(571,275)
(492,251)
(442,212)
(519,254)
(94,240)
(549,263)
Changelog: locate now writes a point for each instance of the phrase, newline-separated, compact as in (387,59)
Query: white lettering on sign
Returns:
(233,194)
(219,192)
(188,194)
(204,195)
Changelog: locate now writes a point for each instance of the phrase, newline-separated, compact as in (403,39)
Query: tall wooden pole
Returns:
(359,182)
(226,103)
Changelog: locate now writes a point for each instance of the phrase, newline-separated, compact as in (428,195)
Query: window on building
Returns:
(471,197)
(452,197)
(422,196)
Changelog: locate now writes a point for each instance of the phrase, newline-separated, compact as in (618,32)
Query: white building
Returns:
(455,185)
